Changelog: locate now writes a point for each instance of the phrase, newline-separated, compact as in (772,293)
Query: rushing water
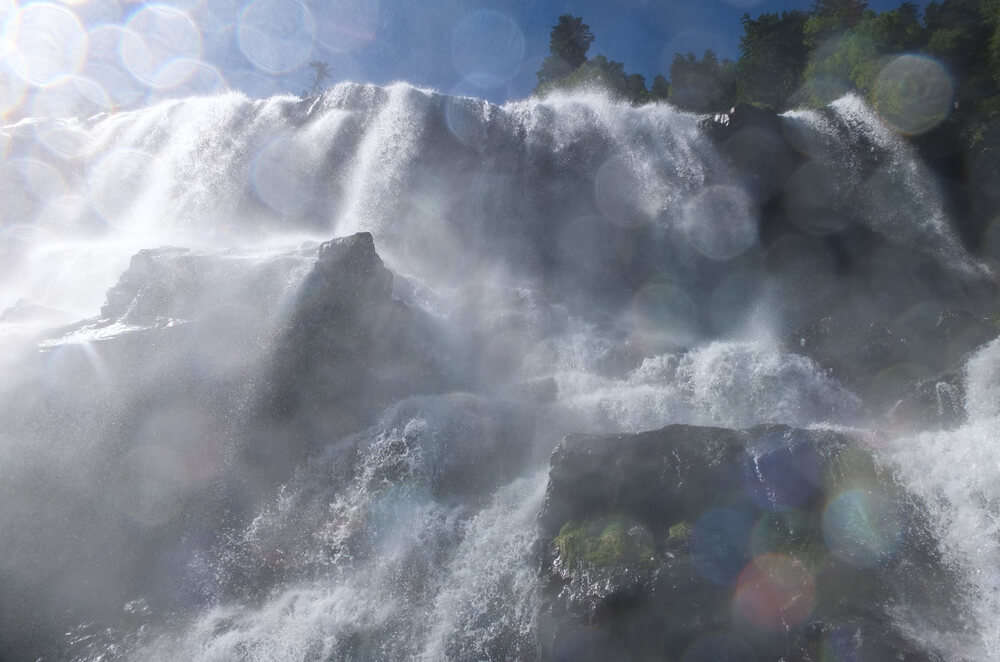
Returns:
(607,255)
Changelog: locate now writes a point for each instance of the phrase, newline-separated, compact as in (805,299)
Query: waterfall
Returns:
(550,266)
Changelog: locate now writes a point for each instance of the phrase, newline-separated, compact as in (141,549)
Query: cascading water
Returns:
(563,265)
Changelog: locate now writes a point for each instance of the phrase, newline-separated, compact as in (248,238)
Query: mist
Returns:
(282,376)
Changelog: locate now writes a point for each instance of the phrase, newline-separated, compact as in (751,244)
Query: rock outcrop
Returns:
(693,543)
(206,380)
(348,350)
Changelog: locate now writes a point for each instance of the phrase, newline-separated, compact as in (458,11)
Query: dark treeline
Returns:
(799,58)
(933,76)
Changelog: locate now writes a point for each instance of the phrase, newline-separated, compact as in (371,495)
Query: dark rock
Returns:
(899,359)
(205,381)
(930,404)
(754,143)
(469,445)
(758,544)
(347,352)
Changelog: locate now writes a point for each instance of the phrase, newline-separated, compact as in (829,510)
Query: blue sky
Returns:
(416,39)
(67,58)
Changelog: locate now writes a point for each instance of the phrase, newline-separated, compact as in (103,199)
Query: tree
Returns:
(849,62)
(567,66)
(321,73)
(635,89)
(960,34)
(597,73)
(849,12)
(661,89)
(569,41)
(855,57)
(992,9)
(600,73)
(832,17)
(702,86)
(897,30)
(773,55)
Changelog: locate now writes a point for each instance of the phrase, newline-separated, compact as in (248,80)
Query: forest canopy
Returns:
(806,59)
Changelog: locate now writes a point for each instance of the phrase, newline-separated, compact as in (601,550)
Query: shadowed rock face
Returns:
(755,544)
(347,352)
(843,237)
(249,366)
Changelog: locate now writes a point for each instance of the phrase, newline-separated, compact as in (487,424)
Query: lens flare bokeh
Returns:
(774,592)
(913,94)
(862,527)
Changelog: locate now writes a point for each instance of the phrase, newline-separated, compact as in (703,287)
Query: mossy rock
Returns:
(680,532)
(791,533)
(611,541)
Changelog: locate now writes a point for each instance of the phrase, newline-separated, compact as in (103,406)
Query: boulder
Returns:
(206,379)
(697,543)
(348,350)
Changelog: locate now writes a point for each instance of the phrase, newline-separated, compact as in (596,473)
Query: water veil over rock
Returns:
(385,374)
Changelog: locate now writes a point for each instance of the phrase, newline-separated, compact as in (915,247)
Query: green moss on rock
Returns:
(614,540)
(679,532)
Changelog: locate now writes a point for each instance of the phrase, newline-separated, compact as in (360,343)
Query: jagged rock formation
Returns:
(347,351)
(251,364)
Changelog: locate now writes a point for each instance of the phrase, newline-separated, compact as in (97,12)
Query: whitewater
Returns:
(559,265)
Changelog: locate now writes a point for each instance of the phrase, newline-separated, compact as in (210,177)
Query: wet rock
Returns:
(348,350)
(755,544)
(896,363)
(930,404)
(206,380)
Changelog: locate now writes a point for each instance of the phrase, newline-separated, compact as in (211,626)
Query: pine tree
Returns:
(569,42)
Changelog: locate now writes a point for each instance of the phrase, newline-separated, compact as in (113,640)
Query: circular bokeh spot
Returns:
(156,38)
(282,178)
(104,66)
(665,317)
(113,182)
(276,35)
(913,94)
(720,544)
(46,41)
(466,117)
(343,26)
(734,298)
(72,97)
(7,9)
(200,79)
(12,92)
(824,88)
(25,184)
(774,593)
(39,178)
(793,533)
(619,192)
(815,199)
(782,475)
(720,222)
(487,48)
(862,527)
(67,214)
